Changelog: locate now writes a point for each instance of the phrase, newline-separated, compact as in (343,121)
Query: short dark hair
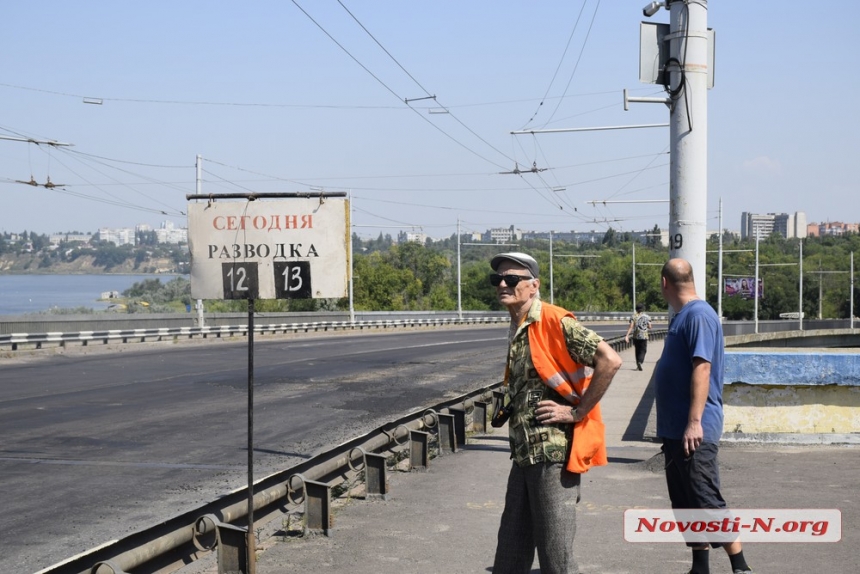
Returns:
(640,307)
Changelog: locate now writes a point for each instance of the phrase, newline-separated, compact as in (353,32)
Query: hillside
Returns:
(11,263)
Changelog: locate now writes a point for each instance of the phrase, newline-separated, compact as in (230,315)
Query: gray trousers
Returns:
(540,512)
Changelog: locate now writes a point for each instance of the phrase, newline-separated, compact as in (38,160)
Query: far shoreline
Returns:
(41,272)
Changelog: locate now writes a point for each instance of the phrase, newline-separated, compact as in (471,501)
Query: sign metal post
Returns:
(290,249)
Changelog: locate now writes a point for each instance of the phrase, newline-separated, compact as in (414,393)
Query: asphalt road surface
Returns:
(95,445)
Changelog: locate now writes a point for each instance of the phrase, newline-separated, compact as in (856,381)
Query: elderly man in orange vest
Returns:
(556,373)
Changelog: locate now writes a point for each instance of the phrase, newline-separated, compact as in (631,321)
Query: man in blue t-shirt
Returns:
(689,397)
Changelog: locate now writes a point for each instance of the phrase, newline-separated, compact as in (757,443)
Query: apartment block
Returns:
(831,228)
(787,225)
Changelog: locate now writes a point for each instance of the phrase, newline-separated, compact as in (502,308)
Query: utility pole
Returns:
(720,285)
(633,245)
(684,71)
(459,279)
(199,164)
(688,133)
(800,288)
(351,262)
(551,289)
(755,282)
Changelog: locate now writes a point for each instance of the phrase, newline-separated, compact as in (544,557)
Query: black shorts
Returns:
(694,481)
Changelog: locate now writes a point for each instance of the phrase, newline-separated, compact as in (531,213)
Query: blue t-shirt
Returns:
(694,332)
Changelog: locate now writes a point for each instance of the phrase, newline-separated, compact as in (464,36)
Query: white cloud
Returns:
(763,165)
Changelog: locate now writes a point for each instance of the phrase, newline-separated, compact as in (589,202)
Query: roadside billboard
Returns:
(743,287)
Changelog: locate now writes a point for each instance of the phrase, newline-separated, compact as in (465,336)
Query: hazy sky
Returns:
(298,96)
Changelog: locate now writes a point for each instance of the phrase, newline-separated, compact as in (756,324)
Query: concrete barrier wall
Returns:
(795,394)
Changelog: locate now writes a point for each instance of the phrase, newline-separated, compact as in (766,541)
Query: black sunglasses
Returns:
(510,280)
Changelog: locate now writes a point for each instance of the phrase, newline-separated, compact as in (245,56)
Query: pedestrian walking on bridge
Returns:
(640,326)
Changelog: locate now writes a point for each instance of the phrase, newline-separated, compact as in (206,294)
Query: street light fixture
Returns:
(652,8)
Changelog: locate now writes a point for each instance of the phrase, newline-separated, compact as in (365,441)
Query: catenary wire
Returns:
(578,59)
(440,130)
(558,67)
(456,119)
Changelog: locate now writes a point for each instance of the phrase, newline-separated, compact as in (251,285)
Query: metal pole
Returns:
(688,91)
(252,553)
(820,289)
(551,290)
(800,289)
(459,278)
(851,300)
(720,285)
(755,282)
(351,262)
(199,187)
(35,141)
(633,244)
(593,129)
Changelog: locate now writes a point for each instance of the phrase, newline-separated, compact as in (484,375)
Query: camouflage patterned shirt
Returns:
(531,442)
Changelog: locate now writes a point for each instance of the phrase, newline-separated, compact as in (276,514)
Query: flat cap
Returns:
(521,259)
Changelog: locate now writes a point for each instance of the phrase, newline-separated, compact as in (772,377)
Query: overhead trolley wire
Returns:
(395,94)
(558,67)
(117,200)
(578,59)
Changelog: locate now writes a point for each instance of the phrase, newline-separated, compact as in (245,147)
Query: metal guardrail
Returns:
(47,323)
(21,341)
(16,341)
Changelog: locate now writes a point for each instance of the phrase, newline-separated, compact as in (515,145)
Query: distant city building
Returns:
(407,237)
(832,228)
(595,236)
(502,235)
(58,238)
(790,225)
(119,236)
(576,237)
(166,233)
(169,233)
(763,225)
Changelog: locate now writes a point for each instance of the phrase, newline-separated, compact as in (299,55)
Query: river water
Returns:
(22,294)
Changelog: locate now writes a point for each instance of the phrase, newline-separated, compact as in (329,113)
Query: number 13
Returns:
(292,278)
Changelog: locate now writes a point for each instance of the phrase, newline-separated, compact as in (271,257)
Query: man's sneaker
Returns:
(743,572)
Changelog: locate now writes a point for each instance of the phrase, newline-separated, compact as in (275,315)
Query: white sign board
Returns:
(654,53)
(292,248)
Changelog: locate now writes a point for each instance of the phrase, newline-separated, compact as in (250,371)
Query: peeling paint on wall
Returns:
(797,409)
(792,391)
(793,367)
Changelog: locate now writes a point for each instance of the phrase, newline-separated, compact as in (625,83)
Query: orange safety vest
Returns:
(561,373)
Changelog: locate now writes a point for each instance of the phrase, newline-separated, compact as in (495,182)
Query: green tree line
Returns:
(588,278)
(585,278)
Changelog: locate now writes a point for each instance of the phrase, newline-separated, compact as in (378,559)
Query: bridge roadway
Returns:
(446,519)
(98,442)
